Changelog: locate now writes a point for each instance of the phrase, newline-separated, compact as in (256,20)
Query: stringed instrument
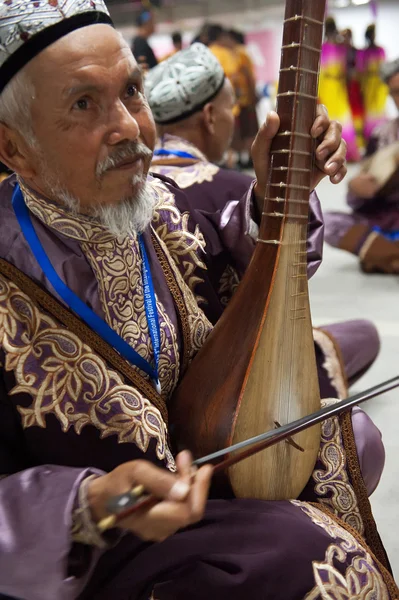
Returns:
(123,506)
(257,369)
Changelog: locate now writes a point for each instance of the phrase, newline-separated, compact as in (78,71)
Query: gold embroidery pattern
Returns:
(199,325)
(187,249)
(331,478)
(65,378)
(362,579)
(116,264)
(118,273)
(190,175)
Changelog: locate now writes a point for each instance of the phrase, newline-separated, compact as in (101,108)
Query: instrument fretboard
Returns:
(293,148)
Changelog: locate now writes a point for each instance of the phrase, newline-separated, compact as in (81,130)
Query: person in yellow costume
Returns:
(333,91)
(247,121)
(229,49)
(375,91)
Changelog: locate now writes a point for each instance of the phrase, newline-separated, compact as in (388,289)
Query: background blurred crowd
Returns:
(350,83)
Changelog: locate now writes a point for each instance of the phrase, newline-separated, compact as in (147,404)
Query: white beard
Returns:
(130,216)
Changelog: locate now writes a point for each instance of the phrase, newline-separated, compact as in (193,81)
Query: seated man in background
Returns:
(245,89)
(371,232)
(192,102)
(84,415)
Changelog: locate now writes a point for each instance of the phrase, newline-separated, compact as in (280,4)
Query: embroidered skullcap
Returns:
(183,84)
(29,26)
(389,70)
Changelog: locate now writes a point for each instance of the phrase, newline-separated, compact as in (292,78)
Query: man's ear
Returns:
(13,152)
(209,117)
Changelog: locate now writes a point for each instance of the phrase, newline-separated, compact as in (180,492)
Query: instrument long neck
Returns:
(293,149)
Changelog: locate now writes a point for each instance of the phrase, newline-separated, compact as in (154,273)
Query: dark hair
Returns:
(330,26)
(370,33)
(143,18)
(177,38)
(348,32)
(237,36)
(214,33)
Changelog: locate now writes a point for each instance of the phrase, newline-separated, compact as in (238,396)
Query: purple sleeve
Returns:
(370,448)
(235,226)
(315,235)
(36,549)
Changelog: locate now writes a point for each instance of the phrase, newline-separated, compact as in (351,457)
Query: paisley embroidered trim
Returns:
(172,227)
(177,298)
(195,325)
(65,378)
(333,363)
(370,578)
(117,269)
(370,529)
(331,480)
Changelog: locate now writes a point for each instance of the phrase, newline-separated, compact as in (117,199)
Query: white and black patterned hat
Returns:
(29,26)
(183,84)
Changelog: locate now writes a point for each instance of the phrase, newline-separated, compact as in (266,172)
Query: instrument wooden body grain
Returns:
(258,366)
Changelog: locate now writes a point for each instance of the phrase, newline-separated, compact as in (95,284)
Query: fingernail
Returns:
(318,132)
(332,166)
(337,178)
(323,154)
(179,491)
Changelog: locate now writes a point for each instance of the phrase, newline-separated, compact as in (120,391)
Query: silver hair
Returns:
(389,70)
(15,106)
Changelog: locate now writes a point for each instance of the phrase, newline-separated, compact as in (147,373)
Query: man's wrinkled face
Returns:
(394,89)
(94,129)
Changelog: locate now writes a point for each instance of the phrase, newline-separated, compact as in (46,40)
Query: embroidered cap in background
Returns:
(183,84)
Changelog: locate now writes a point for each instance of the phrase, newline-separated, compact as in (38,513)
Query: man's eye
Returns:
(82,104)
(132,91)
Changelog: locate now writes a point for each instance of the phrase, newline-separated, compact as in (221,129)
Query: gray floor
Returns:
(340,291)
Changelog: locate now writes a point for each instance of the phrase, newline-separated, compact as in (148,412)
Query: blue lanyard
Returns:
(179,153)
(82,310)
(393,236)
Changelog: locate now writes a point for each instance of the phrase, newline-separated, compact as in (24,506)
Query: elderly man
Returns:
(84,400)
(371,232)
(192,102)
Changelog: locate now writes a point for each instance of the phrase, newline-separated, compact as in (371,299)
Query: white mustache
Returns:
(133,150)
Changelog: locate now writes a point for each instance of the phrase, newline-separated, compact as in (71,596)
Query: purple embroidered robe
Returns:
(65,413)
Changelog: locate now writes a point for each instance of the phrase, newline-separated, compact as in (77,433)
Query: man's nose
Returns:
(124,126)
